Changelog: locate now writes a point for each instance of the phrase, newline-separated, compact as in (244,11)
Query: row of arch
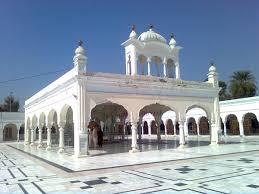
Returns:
(12,131)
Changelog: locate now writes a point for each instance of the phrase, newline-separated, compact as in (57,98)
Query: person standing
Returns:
(100,137)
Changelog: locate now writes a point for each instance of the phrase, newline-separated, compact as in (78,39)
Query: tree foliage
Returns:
(242,84)
(223,94)
(10,104)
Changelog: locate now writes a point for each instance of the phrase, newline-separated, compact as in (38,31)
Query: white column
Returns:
(241,127)
(181,134)
(164,63)
(40,137)
(177,71)
(225,128)
(26,138)
(149,128)
(32,136)
(48,138)
(61,139)
(185,128)
(134,146)
(18,134)
(148,66)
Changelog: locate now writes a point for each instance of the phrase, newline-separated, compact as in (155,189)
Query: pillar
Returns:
(40,137)
(48,138)
(18,134)
(241,127)
(225,128)
(61,139)
(149,128)
(32,136)
(181,134)
(134,121)
(148,66)
(185,128)
(164,64)
(26,138)
(177,71)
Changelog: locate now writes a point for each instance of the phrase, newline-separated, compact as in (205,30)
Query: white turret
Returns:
(133,33)
(212,75)
(80,60)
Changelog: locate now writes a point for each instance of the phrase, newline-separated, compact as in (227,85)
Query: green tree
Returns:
(242,84)
(223,94)
(10,104)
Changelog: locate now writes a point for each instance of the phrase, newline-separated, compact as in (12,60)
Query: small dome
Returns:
(172,42)
(80,50)
(212,68)
(150,35)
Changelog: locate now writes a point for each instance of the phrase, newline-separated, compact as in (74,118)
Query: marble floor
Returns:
(227,168)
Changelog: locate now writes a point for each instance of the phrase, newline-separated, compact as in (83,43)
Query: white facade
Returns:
(77,97)
(10,125)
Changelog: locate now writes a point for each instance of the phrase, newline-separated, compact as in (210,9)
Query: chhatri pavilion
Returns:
(121,103)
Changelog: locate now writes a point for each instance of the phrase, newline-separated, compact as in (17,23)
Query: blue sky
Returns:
(40,36)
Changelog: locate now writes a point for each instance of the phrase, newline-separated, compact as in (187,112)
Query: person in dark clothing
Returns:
(100,137)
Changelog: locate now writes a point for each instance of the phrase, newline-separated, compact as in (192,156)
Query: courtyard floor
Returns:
(224,168)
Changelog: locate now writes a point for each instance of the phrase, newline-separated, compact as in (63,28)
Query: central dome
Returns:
(150,35)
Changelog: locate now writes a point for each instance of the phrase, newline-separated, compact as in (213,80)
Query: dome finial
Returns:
(172,35)
(133,27)
(80,43)
(212,63)
(151,26)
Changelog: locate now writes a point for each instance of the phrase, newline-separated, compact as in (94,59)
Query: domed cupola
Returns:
(150,35)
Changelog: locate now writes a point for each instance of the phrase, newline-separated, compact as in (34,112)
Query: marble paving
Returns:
(93,162)
(232,168)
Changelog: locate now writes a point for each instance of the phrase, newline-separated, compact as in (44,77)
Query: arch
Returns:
(114,117)
(34,121)
(204,126)
(197,106)
(250,124)
(67,120)
(52,118)
(145,128)
(192,126)
(42,119)
(154,127)
(170,127)
(156,109)
(10,132)
(232,125)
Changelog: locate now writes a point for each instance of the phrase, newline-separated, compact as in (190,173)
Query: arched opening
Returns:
(145,128)
(34,123)
(170,68)
(204,126)
(232,125)
(192,126)
(170,127)
(154,127)
(157,122)
(201,114)
(142,69)
(113,116)
(168,117)
(250,123)
(10,132)
(53,122)
(28,129)
(66,117)
(148,118)
(42,122)
(21,132)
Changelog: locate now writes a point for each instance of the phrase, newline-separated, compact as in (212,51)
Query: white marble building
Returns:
(152,84)
(11,126)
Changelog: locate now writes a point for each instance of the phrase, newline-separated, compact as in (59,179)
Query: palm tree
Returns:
(223,94)
(242,84)
(10,104)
